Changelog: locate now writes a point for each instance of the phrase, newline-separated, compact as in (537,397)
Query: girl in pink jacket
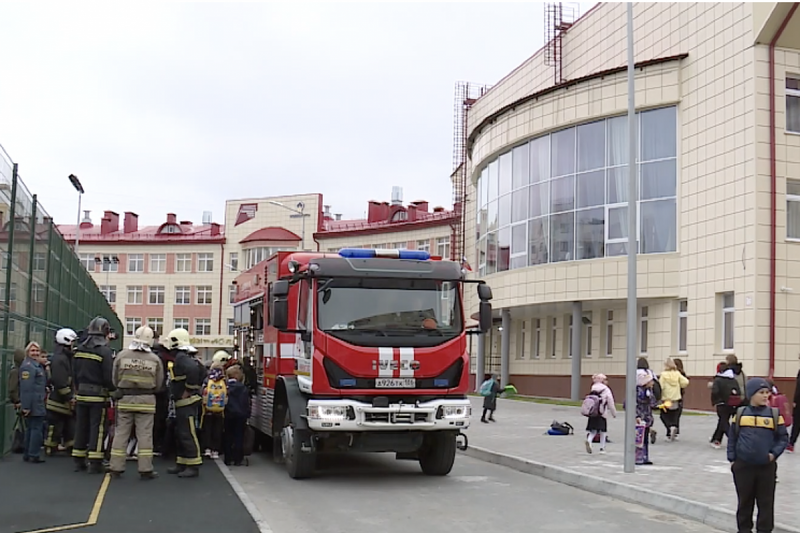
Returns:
(599,424)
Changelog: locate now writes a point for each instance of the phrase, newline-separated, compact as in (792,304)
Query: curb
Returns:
(700,512)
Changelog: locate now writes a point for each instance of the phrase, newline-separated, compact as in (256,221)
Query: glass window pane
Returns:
(591,146)
(793,187)
(591,233)
(617,136)
(519,262)
(591,189)
(658,226)
(658,179)
(519,238)
(728,331)
(539,199)
(520,166)
(617,223)
(479,189)
(617,179)
(793,114)
(538,238)
(503,249)
(491,224)
(563,152)
(728,300)
(793,219)
(492,184)
(659,134)
(563,194)
(491,253)
(504,177)
(482,252)
(562,237)
(683,326)
(504,208)
(485,186)
(540,159)
(519,205)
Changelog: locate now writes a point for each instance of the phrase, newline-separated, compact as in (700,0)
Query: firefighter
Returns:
(138,376)
(93,365)
(61,402)
(186,380)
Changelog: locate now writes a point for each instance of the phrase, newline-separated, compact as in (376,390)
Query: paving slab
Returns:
(50,496)
(688,477)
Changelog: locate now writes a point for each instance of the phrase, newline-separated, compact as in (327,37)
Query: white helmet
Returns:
(66,337)
(178,339)
(221,356)
(144,335)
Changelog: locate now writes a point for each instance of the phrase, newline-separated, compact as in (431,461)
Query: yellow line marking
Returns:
(93,516)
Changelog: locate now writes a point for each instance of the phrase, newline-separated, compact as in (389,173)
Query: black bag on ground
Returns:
(560,428)
(18,435)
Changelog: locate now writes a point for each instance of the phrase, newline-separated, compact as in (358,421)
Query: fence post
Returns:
(5,426)
(31,258)
(48,277)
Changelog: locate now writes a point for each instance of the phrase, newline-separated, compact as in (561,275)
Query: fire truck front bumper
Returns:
(351,415)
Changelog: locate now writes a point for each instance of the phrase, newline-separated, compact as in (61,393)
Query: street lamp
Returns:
(299,213)
(73,179)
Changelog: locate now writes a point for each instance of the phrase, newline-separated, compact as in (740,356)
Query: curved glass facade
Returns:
(563,196)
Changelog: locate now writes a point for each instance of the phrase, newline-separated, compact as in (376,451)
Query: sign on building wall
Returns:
(246,212)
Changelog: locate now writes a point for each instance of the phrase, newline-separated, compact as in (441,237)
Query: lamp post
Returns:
(299,213)
(73,179)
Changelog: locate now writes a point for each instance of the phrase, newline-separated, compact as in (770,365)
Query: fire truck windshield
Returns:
(427,310)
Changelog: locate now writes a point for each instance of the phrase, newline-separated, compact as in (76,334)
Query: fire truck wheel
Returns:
(299,464)
(438,453)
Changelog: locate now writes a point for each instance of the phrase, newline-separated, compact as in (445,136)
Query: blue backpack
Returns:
(486,387)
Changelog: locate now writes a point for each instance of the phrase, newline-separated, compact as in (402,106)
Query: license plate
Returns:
(395,383)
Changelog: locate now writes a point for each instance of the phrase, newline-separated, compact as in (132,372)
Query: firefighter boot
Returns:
(190,472)
(80,465)
(148,475)
(177,469)
(96,468)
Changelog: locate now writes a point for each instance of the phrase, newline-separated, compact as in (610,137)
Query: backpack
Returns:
(215,396)
(486,387)
(776,415)
(656,389)
(734,399)
(592,404)
(560,428)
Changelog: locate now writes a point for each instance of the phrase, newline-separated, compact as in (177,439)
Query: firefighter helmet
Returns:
(178,339)
(98,326)
(221,356)
(65,337)
(144,335)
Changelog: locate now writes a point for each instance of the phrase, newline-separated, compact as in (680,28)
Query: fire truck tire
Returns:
(299,464)
(438,453)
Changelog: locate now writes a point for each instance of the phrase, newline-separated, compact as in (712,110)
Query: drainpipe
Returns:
(773,193)
(221,289)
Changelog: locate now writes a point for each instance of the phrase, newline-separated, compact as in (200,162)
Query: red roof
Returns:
(195,234)
(343,228)
(271,234)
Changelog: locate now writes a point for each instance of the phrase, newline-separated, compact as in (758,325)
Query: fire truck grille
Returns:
(396,418)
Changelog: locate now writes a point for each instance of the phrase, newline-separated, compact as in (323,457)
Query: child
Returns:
(32,391)
(237,412)
(645,402)
(599,422)
(754,445)
(215,397)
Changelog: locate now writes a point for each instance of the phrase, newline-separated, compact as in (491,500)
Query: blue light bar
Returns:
(367,253)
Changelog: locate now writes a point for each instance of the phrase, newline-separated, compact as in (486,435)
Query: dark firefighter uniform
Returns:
(138,375)
(186,380)
(93,365)
(60,412)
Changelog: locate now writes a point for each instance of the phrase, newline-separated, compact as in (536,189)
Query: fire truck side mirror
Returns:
(484,292)
(280,305)
(485,316)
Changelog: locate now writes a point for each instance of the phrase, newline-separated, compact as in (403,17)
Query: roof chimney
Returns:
(130,223)
(109,223)
(207,218)
(172,218)
(86,223)
(214,229)
(338,216)
(397,195)
(422,205)
(186,223)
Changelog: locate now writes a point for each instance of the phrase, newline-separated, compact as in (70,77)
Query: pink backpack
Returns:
(592,404)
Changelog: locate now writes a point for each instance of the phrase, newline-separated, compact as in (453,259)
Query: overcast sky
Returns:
(161,107)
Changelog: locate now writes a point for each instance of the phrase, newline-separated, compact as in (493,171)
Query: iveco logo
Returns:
(395,365)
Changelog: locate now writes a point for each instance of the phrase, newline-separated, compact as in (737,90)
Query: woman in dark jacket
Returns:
(490,401)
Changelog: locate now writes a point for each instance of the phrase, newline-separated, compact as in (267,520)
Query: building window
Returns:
(609,333)
(157,325)
(727,320)
(231,293)
(424,245)
(521,341)
(135,262)
(204,294)
(39,261)
(183,295)
(643,330)
(88,262)
(110,263)
(443,247)
(202,326)
(400,245)
(589,336)
(155,295)
(793,105)
(793,209)
(158,262)
(109,291)
(563,196)
(683,325)
(233,261)
(181,323)
(131,325)
(183,262)
(553,335)
(231,327)
(135,294)
(205,262)
(39,292)
(537,337)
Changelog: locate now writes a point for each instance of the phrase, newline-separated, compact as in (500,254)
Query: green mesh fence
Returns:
(43,285)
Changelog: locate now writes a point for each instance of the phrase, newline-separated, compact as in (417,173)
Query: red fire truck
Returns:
(364,350)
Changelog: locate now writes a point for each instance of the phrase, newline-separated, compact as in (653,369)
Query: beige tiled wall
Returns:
(430,234)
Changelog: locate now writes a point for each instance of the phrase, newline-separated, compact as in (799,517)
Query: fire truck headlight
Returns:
(324,412)
(456,411)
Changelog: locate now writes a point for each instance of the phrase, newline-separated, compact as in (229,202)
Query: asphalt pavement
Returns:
(366,493)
